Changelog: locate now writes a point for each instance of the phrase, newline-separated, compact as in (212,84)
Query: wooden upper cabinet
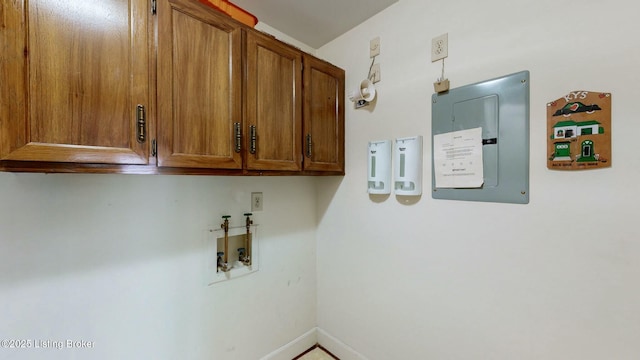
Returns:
(323,116)
(89,86)
(72,77)
(273,100)
(199,87)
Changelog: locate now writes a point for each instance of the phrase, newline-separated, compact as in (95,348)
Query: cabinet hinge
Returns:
(154,148)
(141,124)
(154,5)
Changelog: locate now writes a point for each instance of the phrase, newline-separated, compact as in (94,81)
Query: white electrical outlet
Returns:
(256,201)
(375,73)
(374,47)
(440,47)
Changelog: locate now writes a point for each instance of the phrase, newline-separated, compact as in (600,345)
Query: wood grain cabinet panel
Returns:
(110,86)
(323,116)
(273,103)
(73,74)
(199,87)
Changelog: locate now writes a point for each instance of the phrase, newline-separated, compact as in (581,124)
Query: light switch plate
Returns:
(374,47)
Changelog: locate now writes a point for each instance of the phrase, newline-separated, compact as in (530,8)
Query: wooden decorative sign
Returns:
(579,131)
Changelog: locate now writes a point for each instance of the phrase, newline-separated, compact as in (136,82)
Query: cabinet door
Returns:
(72,75)
(323,116)
(273,104)
(199,87)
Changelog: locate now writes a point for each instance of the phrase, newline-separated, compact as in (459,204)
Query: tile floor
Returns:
(316,354)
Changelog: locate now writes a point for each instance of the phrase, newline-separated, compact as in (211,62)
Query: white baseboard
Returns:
(337,347)
(295,347)
(310,339)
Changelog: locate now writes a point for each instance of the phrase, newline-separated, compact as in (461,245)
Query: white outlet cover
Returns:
(256,201)
(440,47)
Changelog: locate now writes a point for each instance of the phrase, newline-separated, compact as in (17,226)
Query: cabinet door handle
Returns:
(309,146)
(142,124)
(254,139)
(238,136)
